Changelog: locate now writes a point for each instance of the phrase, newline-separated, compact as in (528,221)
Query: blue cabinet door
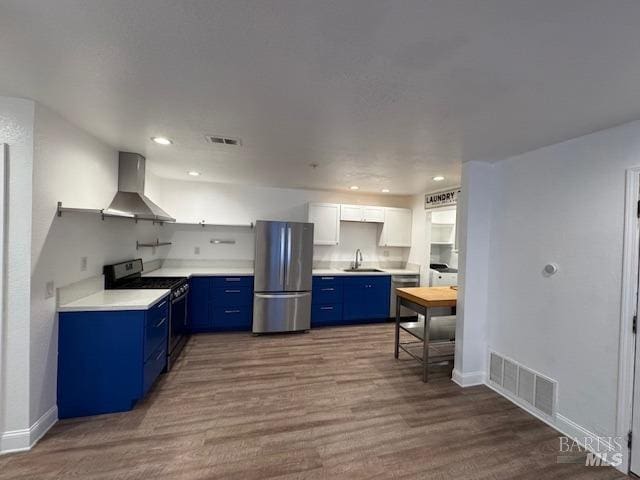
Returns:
(200,298)
(220,304)
(366,298)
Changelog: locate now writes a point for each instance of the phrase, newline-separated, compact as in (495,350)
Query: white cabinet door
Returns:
(396,230)
(326,220)
(373,214)
(351,213)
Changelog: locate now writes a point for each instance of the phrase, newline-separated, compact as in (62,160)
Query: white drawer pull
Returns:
(326,308)
(232,291)
(327,278)
(232,311)
(328,289)
(164,319)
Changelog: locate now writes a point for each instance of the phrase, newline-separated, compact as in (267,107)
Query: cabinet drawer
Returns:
(156,327)
(232,318)
(326,314)
(154,366)
(320,281)
(233,296)
(327,294)
(232,281)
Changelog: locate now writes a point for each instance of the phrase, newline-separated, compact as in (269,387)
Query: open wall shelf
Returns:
(207,224)
(96,211)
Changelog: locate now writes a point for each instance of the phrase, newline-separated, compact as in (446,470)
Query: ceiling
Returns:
(380,94)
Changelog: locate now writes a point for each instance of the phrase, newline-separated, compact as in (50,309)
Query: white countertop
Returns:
(222,271)
(198,272)
(384,271)
(116,300)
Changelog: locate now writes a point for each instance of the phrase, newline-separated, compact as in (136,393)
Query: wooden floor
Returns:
(331,404)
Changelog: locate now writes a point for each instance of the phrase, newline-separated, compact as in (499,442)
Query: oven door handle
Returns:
(181,297)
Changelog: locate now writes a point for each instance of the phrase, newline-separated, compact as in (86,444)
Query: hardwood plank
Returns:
(333,403)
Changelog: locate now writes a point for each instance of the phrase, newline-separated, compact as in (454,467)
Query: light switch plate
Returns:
(385,253)
(49,290)
(196,251)
(83,264)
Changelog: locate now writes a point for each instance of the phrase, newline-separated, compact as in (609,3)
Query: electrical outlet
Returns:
(385,253)
(83,264)
(196,250)
(50,290)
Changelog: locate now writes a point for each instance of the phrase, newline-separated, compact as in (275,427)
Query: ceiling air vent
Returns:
(220,140)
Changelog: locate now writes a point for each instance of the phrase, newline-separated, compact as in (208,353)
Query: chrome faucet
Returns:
(357,263)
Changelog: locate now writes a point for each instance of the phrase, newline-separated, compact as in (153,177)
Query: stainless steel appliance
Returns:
(128,275)
(130,199)
(282,282)
(402,281)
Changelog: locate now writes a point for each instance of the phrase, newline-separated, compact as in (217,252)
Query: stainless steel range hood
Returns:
(130,200)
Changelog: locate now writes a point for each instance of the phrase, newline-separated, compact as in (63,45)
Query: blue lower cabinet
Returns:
(199,308)
(366,298)
(220,304)
(103,361)
(322,315)
(232,318)
(343,300)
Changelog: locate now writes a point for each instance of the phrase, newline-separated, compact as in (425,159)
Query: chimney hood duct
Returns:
(130,200)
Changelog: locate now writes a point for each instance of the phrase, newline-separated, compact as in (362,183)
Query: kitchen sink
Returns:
(363,270)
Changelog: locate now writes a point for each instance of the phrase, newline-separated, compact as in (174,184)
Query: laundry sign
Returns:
(441,199)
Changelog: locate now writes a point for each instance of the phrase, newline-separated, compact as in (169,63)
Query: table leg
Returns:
(425,351)
(396,349)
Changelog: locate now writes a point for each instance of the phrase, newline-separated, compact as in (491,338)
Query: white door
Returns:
(4,159)
(326,220)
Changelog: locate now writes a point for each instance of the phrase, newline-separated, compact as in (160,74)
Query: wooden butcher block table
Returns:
(421,300)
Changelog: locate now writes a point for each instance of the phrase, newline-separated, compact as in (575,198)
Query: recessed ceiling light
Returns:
(385,190)
(438,178)
(354,187)
(193,173)
(162,140)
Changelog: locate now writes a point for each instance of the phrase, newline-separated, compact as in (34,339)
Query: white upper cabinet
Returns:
(396,230)
(351,213)
(361,213)
(326,220)
(373,214)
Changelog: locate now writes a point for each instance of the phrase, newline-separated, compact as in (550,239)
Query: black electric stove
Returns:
(128,275)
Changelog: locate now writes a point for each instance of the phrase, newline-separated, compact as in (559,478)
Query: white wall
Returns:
(73,167)
(563,204)
(475,209)
(16,129)
(191,201)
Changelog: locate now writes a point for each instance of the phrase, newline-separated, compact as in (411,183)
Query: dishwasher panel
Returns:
(402,281)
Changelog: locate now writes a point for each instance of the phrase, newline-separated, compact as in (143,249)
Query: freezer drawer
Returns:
(281,312)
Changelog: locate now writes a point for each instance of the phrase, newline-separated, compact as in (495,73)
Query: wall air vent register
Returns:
(523,384)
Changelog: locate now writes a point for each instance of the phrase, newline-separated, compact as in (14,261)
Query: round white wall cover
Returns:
(550,269)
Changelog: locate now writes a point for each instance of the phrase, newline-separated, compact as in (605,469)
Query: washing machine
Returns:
(440,274)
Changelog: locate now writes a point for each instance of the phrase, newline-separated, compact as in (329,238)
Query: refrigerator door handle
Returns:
(288,252)
(282,240)
(282,295)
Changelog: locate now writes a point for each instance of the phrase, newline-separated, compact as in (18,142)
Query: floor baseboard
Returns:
(25,439)
(470,379)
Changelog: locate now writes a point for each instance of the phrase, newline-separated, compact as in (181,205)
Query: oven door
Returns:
(178,321)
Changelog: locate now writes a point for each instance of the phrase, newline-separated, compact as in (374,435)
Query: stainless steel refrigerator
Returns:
(282,282)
